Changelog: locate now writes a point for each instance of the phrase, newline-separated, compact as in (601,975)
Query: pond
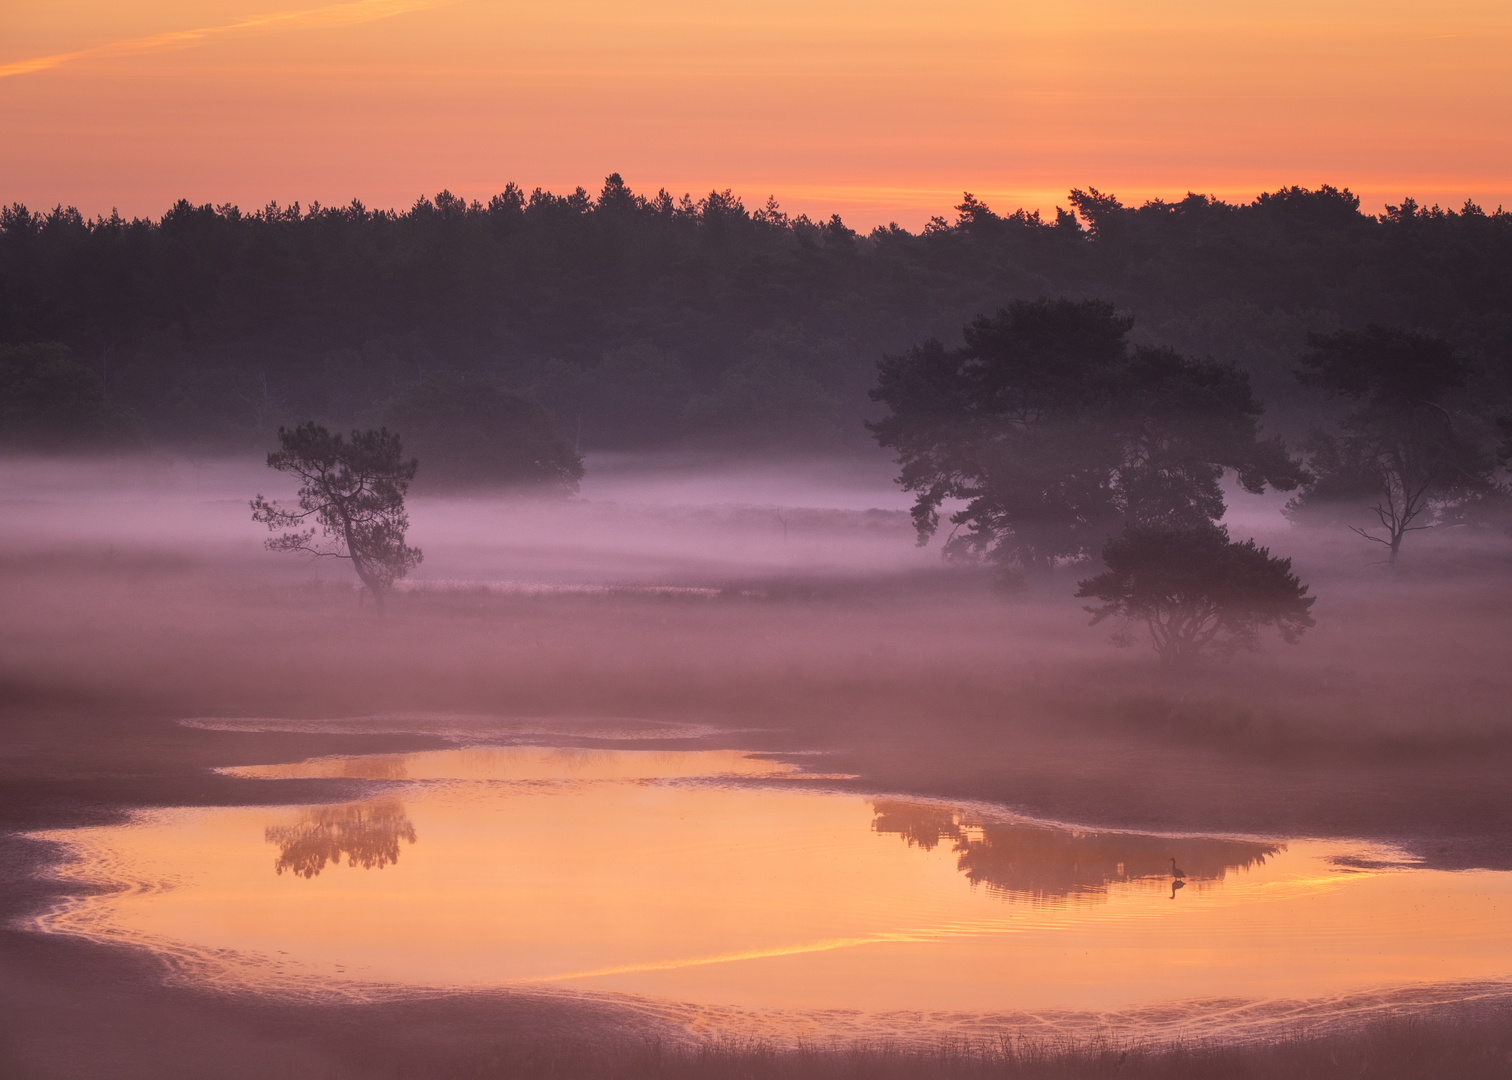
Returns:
(737,885)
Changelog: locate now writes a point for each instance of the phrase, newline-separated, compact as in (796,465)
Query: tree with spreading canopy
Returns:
(1197,591)
(474,431)
(1056,433)
(1401,454)
(351,502)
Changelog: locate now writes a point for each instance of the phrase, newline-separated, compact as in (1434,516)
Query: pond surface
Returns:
(731,881)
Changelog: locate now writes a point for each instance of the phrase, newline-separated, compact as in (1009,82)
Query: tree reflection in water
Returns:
(1053,864)
(367,834)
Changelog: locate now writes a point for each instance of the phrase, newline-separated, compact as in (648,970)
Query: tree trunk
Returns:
(362,574)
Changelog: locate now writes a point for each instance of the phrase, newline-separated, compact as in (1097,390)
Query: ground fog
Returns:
(780,607)
(789,602)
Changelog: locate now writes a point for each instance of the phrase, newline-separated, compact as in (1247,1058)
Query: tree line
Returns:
(644,320)
(506,338)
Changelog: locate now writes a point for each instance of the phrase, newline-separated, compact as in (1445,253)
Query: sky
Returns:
(883,110)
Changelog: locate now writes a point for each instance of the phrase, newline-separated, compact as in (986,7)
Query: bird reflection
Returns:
(366,834)
(1176,883)
(1053,864)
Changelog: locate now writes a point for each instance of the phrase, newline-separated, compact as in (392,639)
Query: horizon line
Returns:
(1139,195)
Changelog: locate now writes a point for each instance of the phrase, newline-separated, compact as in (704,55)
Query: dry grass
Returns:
(1466,1048)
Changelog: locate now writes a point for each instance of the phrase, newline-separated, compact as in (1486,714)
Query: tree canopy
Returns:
(476,432)
(49,401)
(1197,591)
(1056,432)
(221,323)
(351,502)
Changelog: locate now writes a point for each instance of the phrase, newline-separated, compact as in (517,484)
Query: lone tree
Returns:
(1400,453)
(351,502)
(1197,591)
(1057,433)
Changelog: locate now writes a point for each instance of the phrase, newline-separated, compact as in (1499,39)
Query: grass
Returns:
(1465,1047)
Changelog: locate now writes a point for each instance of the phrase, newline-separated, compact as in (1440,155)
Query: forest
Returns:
(662,322)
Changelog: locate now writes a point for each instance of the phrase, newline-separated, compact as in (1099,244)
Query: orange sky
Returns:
(882,110)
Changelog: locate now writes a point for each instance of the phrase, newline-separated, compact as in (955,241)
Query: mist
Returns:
(773,606)
(550,626)
(790,595)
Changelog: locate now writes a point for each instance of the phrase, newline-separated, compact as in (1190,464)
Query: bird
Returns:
(1176,883)
(1176,871)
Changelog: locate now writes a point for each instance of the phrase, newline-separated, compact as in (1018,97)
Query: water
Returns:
(740,885)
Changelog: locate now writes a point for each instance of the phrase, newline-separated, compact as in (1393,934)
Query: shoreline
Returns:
(617,1023)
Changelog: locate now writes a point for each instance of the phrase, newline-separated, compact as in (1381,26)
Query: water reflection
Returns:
(529,763)
(757,895)
(1051,864)
(366,834)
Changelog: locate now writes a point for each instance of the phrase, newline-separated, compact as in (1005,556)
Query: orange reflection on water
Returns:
(528,763)
(366,834)
(1046,863)
(763,896)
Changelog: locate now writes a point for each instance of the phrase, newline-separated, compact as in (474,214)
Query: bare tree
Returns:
(1404,465)
(1400,454)
(351,502)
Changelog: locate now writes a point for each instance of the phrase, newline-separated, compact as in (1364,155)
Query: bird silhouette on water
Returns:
(1178,878)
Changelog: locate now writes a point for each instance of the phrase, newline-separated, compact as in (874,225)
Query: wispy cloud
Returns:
(347,14)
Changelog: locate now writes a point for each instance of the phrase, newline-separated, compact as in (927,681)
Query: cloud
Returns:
(348,14)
